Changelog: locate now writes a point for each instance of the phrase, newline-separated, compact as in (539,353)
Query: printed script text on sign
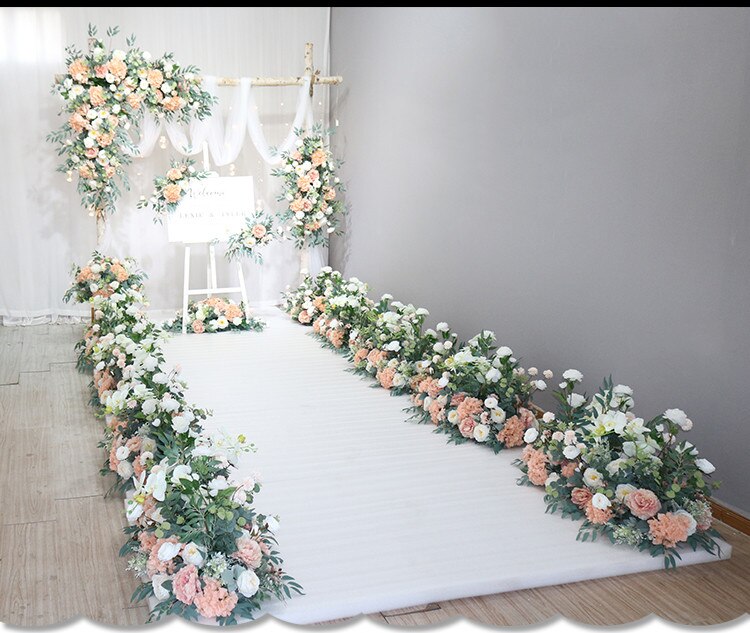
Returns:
(212,209)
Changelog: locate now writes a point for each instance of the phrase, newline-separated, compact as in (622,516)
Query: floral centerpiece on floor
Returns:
(310,190)
(104,93)
(194,539)
(215,314)
(250,241)
(631,481)
(170,188)
(103,276)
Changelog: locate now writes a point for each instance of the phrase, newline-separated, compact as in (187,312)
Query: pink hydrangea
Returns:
(186,584)
(215,601)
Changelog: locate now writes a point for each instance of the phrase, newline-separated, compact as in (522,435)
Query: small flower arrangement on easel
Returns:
(170,188)
(249,242)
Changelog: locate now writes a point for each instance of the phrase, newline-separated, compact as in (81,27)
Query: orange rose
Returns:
(173,103)
(79,70)
(172,193)
(96,96)
(318,157)
(155,78)
(118,68)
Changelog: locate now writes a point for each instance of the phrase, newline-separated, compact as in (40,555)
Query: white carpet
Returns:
(377,513)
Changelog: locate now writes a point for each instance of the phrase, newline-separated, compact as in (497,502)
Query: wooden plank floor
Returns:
(59,536)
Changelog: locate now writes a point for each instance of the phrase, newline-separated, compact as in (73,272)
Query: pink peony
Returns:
(186,584)
(215,601)
(258,231)
(643,503)
(249,551)
(667,529)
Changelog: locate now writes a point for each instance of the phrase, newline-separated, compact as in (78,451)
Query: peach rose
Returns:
(134,100)
(258,231)
(79,70)
(466,427)
(105,139)
(581,497)
(155,78)
(360,355)
(319,303)
(96,96)
(172,193)
(526,417)
(91,152)
(329,193)
(668,529)
(118,270)
(597,516)
(77,122)
(85,172)
(174,174)
(100,71)
(643,503)
(318,157)
(313,175)
(198,327)
(296,205)
(306,205)
(232,312)
(173,103)
(249,551)
(296,156)
(304,317)
(437,412)
(303,183)
(118,68)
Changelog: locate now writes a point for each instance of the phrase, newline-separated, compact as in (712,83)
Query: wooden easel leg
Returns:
(185,289)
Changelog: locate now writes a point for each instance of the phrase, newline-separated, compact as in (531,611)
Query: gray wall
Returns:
(576,180)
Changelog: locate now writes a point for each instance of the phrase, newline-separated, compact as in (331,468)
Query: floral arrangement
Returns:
(104,93)
(257,233)
(310,190)
(631,481)
(194,539)
(103,276)
(215,314)
(169,189)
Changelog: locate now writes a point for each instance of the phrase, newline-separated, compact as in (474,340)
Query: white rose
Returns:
(122,452)
(532,371)
(548,417)
(540,385)
(576,400)
(592,477)
(705,466)
(623,490)
(551,479)
(393,346)
(125,470)
(600,501)
(192,555)
(160,378)
(491,402)
(398,380)
(181,471)
(156,484)
(571,451)
(497,416)
(548,374)
(149,406)
(572,375)
(160,592)
(168,551)
(679,417)
(453,416)
(442,327)
(558,436)
(493,375)
(248,583)
(180,424)
(150,363)
(444,380)
(237,321)
(503,352)
(530,435)
(481,432)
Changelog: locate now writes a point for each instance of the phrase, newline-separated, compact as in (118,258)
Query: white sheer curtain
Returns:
(44,229)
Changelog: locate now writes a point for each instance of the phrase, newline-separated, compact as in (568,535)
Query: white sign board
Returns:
(212,209)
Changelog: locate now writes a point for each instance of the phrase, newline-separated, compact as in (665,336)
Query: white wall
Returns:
(576,180)
(43,228)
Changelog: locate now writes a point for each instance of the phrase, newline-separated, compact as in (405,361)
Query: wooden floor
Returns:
(59,536)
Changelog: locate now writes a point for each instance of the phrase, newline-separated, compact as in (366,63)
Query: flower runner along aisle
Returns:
(194,539)
(631,481)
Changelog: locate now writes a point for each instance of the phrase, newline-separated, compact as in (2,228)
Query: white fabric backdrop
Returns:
(44,229)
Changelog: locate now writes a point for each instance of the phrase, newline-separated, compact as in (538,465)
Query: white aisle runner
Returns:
(377,513)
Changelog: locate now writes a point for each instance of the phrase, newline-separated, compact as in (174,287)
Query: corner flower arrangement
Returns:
(629,480)
(215,314)
(103,276)
(104,93)
(310,190)
(194,539)
(250,241)
(170,188)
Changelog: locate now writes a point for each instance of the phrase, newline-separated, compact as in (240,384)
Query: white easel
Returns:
(211,286)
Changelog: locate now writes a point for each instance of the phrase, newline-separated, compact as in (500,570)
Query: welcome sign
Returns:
(212,209)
